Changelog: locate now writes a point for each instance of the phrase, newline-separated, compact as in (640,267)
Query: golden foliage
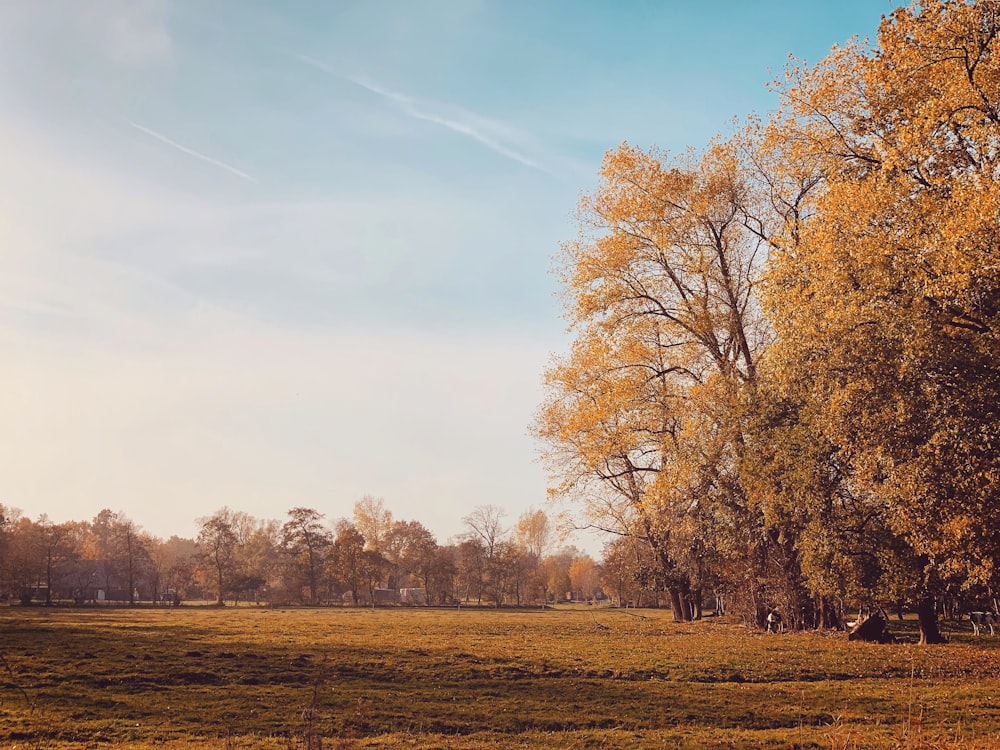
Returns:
(857,400)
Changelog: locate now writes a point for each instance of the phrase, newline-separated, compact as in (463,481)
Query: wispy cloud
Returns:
(488,133)
(191,152)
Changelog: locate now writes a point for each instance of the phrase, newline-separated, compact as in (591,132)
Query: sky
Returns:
(266,255)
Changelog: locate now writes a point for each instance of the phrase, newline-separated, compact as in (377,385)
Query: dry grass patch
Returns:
(203,677)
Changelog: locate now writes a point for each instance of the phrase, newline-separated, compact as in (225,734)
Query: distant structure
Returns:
(413,597)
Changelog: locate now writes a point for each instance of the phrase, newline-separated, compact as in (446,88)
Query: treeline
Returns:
(784,382)
(370,558)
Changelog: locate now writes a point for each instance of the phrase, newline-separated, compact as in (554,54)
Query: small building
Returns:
(413,596)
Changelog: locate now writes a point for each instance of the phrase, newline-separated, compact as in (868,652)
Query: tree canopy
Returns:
(784,375)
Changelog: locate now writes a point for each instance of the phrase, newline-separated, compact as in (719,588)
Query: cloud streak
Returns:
(456,119)
(191,152)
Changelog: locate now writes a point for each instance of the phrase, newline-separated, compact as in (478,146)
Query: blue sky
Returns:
(265,254)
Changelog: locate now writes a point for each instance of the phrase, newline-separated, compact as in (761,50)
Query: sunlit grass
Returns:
(202,677)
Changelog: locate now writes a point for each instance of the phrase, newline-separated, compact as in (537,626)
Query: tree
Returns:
(470,570)
(555,568)
(103,547)
(585,577)
(9,518)
(56,546)
(886,299)
(305,540)
(441,583)
(412,549)
(485,528)
(372,520)
(373,568)
(533,534)
(533,531)
(217,540)
(345,564)
(179,560)
(132,551)
(643,418)
(622,573)
(484,524)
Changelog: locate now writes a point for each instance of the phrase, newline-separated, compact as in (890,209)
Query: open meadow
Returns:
(432,678)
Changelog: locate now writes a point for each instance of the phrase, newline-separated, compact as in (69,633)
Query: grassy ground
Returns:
(202,677)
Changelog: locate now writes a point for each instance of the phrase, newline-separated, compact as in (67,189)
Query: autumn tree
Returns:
(132,551)
(585,577)
(56,544)
(345,564)
(373,568)
(414,550)
(441,582)
(104,548)
(470,570)
(533,534)
(642,418)
(24,568)
(260,557)
(555,568)
(885,298)
(485,527)
(8,521)
(217,542)
(373,520)
(485,524)
(305,540)
(626,560)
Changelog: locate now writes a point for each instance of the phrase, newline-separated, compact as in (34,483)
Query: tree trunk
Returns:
(686,603)
(48,581)
(826,614)
(131,582)
(220,600)
(676,604)
(927,617)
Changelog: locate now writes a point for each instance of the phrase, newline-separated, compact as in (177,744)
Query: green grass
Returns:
(202,677)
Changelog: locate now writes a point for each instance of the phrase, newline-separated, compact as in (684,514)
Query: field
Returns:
(572,678)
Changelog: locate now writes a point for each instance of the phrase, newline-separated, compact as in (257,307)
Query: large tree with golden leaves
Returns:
(886,298)
(642,418)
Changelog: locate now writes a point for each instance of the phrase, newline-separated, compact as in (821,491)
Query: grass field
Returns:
(241,678)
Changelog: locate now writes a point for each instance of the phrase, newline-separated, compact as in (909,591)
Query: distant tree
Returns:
(621,569)
(305,541)
(345,564)
(373,569)
(25,566)
(485,525)
(533,534)
(217,541)
(442,576)
(585,577)
(411,547)
(179,563)
(470,575)
(261,557)
(8,523)
(57,544)
(373,521)
(103,547)
(511,573)
(556,569)
(132,550)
